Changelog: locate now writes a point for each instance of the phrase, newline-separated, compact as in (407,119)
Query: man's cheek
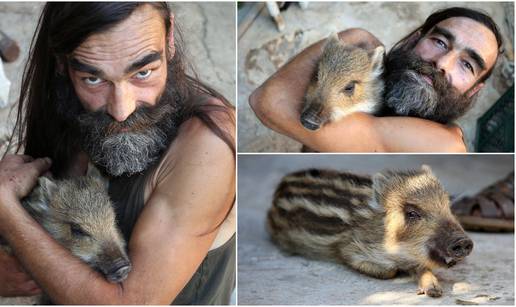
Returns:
(149,96)
(425,50)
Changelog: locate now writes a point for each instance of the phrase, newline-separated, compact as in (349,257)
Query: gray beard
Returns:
(120,152)
(127,152)
(412,94)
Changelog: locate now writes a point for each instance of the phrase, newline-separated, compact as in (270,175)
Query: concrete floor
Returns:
(267,276)
(262,50)
(208,31)
(209,35)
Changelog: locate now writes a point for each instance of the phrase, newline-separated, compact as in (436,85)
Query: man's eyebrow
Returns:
(444,32)
(83,67)
(149,58)
(476,58)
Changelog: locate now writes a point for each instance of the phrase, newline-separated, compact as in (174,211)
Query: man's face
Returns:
(124,104)
(435,76)
(462,48)
(123,68)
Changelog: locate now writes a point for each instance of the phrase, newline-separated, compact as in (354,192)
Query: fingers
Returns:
(26,158)
(28,288)
(18,158)
(37,167)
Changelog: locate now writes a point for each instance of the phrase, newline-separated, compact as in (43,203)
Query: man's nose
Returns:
(444,64)
(123,102)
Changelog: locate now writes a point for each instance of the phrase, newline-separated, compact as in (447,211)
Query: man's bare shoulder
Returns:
(196,178)
(197,143)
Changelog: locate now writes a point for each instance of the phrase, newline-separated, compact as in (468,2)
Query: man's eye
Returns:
(440,43)
(92,80)
(469,67)
(144,74)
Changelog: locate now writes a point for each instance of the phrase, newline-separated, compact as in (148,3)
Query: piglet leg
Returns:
(428,284)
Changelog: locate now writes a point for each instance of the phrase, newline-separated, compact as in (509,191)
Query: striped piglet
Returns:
(394,221)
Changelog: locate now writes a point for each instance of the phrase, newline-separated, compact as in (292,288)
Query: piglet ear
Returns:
(377,57)
(426,168)
(48,187)
(37,203)
(333,41)
(95,174)
(380,183)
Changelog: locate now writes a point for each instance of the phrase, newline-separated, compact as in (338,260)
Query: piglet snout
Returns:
(461,247)
(119,271)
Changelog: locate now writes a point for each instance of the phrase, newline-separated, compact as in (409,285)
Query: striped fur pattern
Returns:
(379,225)
(348,80)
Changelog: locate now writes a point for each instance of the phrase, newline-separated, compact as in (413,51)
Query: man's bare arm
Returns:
(277,104)
(171,238)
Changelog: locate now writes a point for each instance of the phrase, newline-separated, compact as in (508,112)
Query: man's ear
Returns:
(474,90)
(171,47)
(413,39)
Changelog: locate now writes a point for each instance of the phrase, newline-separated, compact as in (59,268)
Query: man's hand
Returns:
(13,280)
(19,174)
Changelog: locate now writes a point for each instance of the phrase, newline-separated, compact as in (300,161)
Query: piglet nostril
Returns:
(309,121)
(119,271)
(461,248)
(468,246)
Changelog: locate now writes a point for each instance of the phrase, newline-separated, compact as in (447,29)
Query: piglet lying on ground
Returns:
(394,221)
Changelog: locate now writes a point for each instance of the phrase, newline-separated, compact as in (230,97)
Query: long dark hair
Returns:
(62,27)
(443,14)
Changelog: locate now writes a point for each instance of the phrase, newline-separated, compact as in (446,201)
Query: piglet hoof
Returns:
(432,291)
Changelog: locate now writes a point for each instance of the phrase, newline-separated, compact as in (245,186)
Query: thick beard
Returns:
(122,148)
(408,94)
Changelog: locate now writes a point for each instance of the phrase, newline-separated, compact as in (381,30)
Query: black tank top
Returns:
(214,280)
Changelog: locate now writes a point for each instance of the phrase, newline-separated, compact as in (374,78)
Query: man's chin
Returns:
(121,167)
(127,153)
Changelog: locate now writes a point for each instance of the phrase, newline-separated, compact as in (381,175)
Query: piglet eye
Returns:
(412,215)
(77,231)
(349,89)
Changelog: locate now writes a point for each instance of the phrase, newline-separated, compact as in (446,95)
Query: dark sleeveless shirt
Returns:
(214,280)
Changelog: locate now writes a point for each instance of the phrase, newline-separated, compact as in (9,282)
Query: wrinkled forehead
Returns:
(141,33)
(469,34)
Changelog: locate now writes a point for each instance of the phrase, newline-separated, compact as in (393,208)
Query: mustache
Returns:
(403,61)
(143,118)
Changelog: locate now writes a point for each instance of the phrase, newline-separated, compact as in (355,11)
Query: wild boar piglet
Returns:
(380,225)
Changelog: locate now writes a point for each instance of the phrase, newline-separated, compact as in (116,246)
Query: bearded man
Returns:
(106,84)
(431,78)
